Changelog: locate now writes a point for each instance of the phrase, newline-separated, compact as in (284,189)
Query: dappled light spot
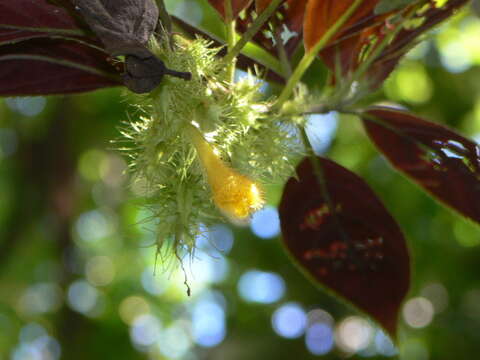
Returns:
(27,106)
(207,269)
(145,330)
(154,284)
(175,341)
(321,129)
(44,347)
(221,238)
(353,334)
(82,297)
(319,339)
(418,312)
(40,298)
(320,316)
(261,287)
(100,270)
(289,320)
(384,345)
(208,323)
(265,223)
(93,225)
(132,307)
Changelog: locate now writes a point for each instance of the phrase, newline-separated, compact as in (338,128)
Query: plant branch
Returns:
(312,53)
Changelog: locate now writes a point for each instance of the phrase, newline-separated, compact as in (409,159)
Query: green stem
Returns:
(231,38)
(312,53)
(252,30)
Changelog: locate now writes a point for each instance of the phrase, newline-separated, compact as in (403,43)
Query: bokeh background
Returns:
(77,260)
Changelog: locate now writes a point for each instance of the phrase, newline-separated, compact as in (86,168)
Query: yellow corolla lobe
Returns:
(233,193)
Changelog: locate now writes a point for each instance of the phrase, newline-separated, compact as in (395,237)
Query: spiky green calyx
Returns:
(207,144)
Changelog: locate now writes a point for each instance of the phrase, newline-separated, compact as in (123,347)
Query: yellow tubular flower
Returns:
(234,194)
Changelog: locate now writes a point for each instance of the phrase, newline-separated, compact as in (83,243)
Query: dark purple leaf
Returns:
(357,251)
(37,16)
(46,66)
(441,161)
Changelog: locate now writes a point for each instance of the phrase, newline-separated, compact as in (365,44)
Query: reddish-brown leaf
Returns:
(46,66)
(354,43)
(442,162)
(287,22)
(237,6)
(321,15)
(357,251)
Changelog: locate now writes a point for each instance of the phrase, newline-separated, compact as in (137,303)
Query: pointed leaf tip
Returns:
(358,252)
(442,162)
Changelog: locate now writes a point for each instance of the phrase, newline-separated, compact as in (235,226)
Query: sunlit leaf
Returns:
(356,43)
(357,250)
(441,161)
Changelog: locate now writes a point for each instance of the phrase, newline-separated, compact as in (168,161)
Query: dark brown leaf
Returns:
(358,251)
(445,164)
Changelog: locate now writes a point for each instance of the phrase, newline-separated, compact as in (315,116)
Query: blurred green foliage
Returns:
(77,260)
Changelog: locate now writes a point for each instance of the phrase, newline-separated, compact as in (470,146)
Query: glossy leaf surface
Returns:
(442,162)
(357,251)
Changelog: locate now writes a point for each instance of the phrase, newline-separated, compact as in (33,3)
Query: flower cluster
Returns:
(202,148)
